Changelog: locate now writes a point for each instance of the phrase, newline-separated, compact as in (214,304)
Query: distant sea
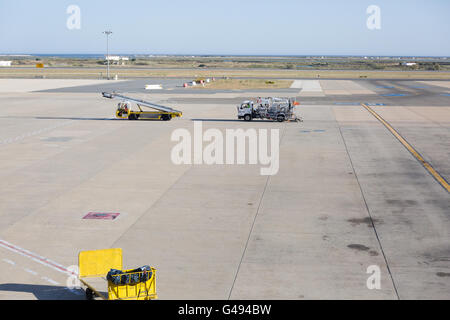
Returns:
(71,55)
(57,55)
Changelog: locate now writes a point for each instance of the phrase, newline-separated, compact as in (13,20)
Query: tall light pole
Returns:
(107,51)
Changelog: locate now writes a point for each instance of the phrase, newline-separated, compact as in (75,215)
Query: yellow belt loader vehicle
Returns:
(125,109)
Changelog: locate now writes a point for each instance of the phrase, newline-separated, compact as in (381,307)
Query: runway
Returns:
(348,194)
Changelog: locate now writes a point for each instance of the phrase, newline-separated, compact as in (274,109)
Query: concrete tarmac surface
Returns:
(348,197)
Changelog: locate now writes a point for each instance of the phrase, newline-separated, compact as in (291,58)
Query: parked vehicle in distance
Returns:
(271,108)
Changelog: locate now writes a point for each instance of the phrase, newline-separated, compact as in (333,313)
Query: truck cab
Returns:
(246,110)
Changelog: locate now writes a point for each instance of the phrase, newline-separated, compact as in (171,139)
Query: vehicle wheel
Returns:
(167,117)
(280,118)
(247,117)
(89,294)
(132,117)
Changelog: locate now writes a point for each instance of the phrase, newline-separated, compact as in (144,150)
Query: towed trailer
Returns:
(94,266)
(125,109)
(276,109)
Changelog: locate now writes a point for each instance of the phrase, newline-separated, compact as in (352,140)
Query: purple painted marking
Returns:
(101,215)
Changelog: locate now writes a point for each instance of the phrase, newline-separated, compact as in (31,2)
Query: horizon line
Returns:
(226,55)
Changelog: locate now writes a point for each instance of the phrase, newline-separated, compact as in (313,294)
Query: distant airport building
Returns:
(117,59)
(5,63)
(409,64)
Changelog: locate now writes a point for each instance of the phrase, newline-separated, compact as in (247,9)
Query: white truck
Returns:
(276,109)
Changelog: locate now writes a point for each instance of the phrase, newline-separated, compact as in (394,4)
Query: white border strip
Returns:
(35,257)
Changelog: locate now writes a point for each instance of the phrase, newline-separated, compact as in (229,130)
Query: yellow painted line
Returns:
(413,151)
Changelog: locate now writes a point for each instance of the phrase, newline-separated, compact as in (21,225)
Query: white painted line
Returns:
(30,271)
(307,85)
(153,87)
(297,84)
(34,133)
(35,257)
(39,259)
(9,261)
(50,280)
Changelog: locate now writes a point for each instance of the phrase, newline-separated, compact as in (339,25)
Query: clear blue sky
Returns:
(289,27)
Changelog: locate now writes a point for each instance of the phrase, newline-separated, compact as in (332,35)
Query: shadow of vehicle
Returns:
(45,292)
(75,118)
(229,120)
(56,118)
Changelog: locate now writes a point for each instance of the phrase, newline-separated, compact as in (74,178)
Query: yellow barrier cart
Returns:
(94,265)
